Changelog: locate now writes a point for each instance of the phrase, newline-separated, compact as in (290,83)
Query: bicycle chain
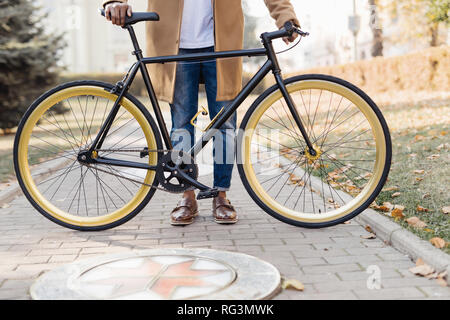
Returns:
(130,179)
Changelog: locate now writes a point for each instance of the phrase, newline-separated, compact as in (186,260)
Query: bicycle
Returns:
(97,164)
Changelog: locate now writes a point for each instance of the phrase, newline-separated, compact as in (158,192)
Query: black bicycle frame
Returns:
(122,88)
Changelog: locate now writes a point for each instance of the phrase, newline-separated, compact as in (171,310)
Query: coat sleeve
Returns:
(109,1)
(282,11)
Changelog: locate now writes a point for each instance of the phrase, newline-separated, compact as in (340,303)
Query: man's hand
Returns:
(116,12)
(292,38)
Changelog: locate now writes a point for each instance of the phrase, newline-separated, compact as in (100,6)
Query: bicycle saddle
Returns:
(137,17)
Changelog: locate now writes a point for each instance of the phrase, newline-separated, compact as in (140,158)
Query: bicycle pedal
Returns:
(208,194)
(144,153)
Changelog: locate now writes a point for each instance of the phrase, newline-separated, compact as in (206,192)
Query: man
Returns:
(192,26)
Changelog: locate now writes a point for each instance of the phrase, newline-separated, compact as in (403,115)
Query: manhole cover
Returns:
(169,274)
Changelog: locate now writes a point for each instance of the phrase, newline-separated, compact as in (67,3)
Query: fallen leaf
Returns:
(416,223)
(388,205)
(419,171)
(292,284)
(426,195)
(433,275)
(428,230)
(438,242)
(443,275)
(397,194)
(420,262)
(433,157)
(422,209)
(419,138)
(369,229)
(381,208)
(419,179)
(413,155)
(444,133)
(397,214)
(5,206)
(394,188)
(446,210)
(370,236)
(422,270)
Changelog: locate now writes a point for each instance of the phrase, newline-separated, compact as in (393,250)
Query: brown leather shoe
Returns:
(223,211)
(185,212)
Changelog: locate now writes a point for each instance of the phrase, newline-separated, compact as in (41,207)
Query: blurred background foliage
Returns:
(28,59)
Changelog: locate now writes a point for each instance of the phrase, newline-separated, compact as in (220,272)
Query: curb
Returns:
(405,241)
(10,193)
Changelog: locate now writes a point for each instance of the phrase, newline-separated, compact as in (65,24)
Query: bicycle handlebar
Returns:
(287,31)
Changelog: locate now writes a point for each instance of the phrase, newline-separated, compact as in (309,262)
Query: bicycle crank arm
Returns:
(189,180)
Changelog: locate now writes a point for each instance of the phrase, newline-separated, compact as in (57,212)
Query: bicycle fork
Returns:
(267,42)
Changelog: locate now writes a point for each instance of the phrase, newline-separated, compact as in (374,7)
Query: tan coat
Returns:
(163,39)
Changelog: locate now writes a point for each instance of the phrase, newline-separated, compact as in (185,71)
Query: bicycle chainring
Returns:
(165,171)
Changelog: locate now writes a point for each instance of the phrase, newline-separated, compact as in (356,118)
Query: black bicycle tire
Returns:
(34,105)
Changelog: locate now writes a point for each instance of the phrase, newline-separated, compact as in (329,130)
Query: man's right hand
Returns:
(116,12)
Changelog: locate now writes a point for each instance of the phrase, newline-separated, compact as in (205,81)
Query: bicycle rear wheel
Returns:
(61,124)
(351,139)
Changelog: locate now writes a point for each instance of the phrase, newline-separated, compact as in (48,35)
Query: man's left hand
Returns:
(292,38)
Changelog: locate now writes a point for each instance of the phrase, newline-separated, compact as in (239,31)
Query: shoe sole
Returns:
(184,223)
(225,221)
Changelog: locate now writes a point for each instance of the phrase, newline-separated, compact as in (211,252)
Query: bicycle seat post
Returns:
(137,49)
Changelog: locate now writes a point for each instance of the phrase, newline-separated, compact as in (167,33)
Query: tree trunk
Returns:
(434,29)
(377,31)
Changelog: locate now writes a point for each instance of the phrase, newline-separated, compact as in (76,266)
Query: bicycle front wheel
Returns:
(57,128)
(352,160)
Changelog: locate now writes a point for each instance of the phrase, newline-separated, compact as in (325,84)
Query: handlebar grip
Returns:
(289,26)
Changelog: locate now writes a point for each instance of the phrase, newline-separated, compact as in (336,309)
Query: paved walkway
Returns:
(333,263)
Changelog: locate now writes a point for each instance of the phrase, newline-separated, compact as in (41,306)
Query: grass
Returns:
(415,151)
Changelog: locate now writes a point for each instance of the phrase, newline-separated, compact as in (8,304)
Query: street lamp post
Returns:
(354,24)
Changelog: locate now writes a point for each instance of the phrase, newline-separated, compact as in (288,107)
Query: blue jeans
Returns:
(185,106)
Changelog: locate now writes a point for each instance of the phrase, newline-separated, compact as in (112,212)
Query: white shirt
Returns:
(197,27)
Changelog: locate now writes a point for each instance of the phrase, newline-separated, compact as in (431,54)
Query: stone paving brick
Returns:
(52,252)
(14,294)
(312,253)
(311,261)
(25,260)
(318,278)
(16,284)
(87,244)
(404,282)
(332,268)
(363,274)
(436,292)
(349,259)
(338,286)
(390,293)
(342,295)
(66,258)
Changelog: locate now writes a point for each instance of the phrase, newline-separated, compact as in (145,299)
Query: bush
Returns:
(427,70)
(28,59)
